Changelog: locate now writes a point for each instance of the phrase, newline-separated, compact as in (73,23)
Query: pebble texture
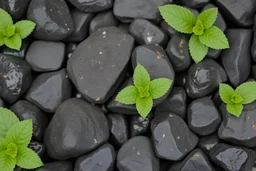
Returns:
(93,5)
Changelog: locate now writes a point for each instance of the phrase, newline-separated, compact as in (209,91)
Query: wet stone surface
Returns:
(92,6)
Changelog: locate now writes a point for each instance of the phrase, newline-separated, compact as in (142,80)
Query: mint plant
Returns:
(15,136)
(204,34)
(235,99)
(144,91)
(11,34)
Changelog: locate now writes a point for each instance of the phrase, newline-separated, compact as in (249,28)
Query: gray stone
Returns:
(98,65)
(2,104)
(204,77)
(15,77)
(57,166)
(52,18)
(168,29)
(37,147)
(137,154)
(102,159)
(206,143)
(171,137)
(237,59)
(92,5)
(76,128)
(44,56)
(194,3)
(49,90)
(145,32)
(18,53)
(139,125)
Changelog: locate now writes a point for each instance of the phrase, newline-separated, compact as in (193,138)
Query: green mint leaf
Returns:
(141,77)
(247,92)
(11,150)
(6,20)
(13,42)
(180,18)
(208,17)
(20,133)
(198,29)
(6,162)
(7,120)
(3,144)
(235,109)
(128,95)
(144,91)
(197,49)
(24,28)
(159,86)
(214,38)
(226,92)
(2,37)
(9,31)
(236,99)
(144,105)
(28,159)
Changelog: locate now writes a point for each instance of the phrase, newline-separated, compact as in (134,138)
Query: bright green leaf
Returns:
(11,150)
(20,133)
(197,49)
(5,20)
(235,109)
(144,91)
(128,95)
(7,120)
(198,29)
(28,159)
(236,99)
(9,31)
(141,77)
(208,17)
(24,28)
(180,18)
(226,92)
(3,144)
(247,92)
(144,105)
(2,37)
(214,38)
(6,162)
(159,86)
(13,42)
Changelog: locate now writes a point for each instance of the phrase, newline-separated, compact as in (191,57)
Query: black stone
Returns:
(194,3)
(145,32)
(237,59)
(26,110)
(195,161)
(203,116)
(171,137)
(2,104)
(254,71)
(76,128)
(240,12)
(155,61)
(178,52)
(139,125)
(18,53)
(240,130)
(168,29)
(232,158)
(70,48)
(16,8)
(180,79)
(44,56)
(49,90)
(92,6)
(81,24)
(57,166)
(15,77)
(204,77)
(53,19)
(98,74)
(104,19)
(126,11)
(37,147)
(118,129)
(137,154)
(176,103)
(102,159)
(206,143)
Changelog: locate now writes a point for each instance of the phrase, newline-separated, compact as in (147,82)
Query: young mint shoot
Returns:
(204,34)
(144,91)
(11,34)
(15,136)
(235,99)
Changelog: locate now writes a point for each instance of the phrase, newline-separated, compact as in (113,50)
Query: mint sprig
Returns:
(204,34)
(11,34)
(235,99)
(15,136)
(144,91)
